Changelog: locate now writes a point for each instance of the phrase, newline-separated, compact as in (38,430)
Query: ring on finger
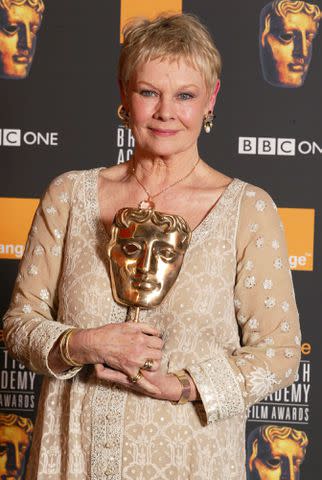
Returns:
(148,364)
(136,377)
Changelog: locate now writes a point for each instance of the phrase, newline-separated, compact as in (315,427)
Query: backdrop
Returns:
(59,99)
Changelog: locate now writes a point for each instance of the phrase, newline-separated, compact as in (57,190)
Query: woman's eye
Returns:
(185,96)
(148,93)
(10,29)
(131,249)
(286,37)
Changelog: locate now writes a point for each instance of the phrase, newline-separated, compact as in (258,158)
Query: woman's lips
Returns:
(163,132)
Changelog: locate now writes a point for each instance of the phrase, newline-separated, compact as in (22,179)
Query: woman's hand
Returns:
(164,386)
(122,346)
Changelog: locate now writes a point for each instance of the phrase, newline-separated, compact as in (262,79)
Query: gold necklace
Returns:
(148,202)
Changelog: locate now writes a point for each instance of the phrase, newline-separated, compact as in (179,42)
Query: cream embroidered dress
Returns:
(230,321)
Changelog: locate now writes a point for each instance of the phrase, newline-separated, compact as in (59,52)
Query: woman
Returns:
(167,397)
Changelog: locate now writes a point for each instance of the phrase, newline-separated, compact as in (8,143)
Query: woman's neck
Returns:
(159,172)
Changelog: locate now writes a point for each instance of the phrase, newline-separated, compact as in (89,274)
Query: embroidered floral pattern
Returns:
(253,323)
(32,270)
(285,326)
(39,250)
(56,250)
(275,244)
(44,294)
(270,302)
(267,284)
(278,264)
(262,381)
(288,373)
(260,205)
(58,233)
(253,227)
(285,306)
(250,282)
(270,352)
(250,193)
(27,308)
(260,242)
(51,210)
(288,353)
(249,265)
(63,197)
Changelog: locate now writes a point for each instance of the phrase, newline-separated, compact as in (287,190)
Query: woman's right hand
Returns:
(122,346)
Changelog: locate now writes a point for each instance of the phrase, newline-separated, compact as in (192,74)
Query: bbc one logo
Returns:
(10,137)
(277,146)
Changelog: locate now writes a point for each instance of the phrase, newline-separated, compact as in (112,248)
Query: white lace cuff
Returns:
(218,388)
(43,339)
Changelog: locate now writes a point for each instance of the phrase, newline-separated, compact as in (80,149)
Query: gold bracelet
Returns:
(64,350)
(183,378)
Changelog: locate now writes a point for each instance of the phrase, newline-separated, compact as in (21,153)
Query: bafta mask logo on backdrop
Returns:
(146,252)
(15,439)
(287,32)
(275,453)
(20,21)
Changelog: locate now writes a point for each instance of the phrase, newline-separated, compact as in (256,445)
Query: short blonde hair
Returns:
(170,37)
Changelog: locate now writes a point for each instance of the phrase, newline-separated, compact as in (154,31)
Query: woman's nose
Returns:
(165,109)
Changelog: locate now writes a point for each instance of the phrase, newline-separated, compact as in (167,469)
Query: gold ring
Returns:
(137,377)
(148,364)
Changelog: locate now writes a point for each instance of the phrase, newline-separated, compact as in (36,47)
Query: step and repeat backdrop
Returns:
(58,112)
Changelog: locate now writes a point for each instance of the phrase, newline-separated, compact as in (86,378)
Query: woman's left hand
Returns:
(163,386)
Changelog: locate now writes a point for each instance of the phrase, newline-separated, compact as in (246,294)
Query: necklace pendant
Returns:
(146,204)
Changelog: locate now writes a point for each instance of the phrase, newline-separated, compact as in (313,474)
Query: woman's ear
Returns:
(123,96)
(213,96)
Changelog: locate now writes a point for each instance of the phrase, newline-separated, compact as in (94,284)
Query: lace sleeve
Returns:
(266,312)
(30,324)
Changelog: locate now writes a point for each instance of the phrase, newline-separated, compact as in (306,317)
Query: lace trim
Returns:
(91,201)
(108,406)
(225,203)
(218,388)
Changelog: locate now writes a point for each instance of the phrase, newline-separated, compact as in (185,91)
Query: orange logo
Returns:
(16,218)
(146,8)
(299,231)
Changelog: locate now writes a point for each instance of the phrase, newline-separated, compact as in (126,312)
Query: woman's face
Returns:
(167,102)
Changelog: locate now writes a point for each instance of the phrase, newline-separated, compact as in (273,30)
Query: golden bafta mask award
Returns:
(146,251)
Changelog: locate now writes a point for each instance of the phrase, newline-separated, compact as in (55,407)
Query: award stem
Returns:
(137,314)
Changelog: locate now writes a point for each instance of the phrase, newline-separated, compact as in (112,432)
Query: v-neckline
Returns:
(195,232)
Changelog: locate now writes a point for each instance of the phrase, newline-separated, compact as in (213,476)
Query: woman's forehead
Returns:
(180,68)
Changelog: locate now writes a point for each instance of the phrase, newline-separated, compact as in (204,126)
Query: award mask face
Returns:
(19,24)
(146,253)
(15,439)
(287,32)
(275,453)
